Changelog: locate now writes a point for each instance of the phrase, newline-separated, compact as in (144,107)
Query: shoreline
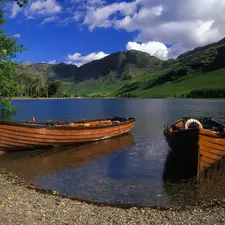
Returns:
(22,203)
(65,98)
(54,98)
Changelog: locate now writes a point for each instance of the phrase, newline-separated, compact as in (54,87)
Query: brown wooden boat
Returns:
(30,134)
(197,143)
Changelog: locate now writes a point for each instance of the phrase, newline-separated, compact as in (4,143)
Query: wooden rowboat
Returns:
(30,134)
(197,143)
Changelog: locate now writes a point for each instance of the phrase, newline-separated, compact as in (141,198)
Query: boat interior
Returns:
(195,123)
(82,123)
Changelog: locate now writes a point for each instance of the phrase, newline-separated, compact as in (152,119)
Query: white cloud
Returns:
(153,48)
(99,17)
(43,8)
(89,2)
(79,60)
(140,19)
(17,36)
(186,34)
(182,24)
(15,10)
(52,62)
(77,15)
(49,19)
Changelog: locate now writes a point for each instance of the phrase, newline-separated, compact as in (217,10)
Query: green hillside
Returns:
(196,73)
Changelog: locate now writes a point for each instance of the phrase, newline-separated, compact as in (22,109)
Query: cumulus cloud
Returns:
(79,60)
(153,48)
(89,2)
(182,24)
(140,20)
(37,8)
(15,10)
(52,62)
(44,7)
(99,17)
(16,36)
(49,19)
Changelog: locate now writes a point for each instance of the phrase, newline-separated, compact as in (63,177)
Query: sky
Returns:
(79,31)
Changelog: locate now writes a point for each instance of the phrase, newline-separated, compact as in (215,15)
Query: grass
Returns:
(96,87)
(177,88)
(182,86)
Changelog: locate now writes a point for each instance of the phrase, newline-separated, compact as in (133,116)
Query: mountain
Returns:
(201,49)
(60,71)
(138,74)
(117,63)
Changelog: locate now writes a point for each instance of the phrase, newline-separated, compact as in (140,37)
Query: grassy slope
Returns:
(105,88)
(198,80)
(92,88)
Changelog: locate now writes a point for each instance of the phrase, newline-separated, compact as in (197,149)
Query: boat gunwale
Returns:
(219,135)
(42,125)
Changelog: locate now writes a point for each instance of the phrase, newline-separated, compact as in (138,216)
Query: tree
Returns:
(53,88)
(8,50)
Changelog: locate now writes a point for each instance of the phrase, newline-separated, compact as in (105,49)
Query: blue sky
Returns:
(78,31)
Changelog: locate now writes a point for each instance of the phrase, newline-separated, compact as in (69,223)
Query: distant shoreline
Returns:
(48,98)
(64,98)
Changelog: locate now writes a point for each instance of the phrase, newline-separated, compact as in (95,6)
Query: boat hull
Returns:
(195,150)
(27,136)
(211,149)
(183,155)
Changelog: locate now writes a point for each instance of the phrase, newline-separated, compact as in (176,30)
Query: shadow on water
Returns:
(33,164)
(182,185)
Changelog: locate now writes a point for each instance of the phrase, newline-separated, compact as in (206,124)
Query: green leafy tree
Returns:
(53,88)
(8,50)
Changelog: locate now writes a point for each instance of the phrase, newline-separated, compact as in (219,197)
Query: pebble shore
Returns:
(22,205)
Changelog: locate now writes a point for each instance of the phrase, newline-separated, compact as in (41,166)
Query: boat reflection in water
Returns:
(34,164)
(182,187)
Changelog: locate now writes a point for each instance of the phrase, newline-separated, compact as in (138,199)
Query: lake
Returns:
(127,169)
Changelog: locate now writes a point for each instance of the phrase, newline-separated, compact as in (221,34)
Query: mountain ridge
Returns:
(133,73)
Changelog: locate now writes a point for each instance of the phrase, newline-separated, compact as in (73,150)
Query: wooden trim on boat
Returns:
(19,135)
(52,127)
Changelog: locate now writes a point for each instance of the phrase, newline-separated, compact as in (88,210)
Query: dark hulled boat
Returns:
(29,135)
(197,143)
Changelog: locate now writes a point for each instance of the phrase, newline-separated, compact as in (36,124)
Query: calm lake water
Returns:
(126,169)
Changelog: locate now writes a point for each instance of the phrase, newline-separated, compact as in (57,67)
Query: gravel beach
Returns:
(20,204)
